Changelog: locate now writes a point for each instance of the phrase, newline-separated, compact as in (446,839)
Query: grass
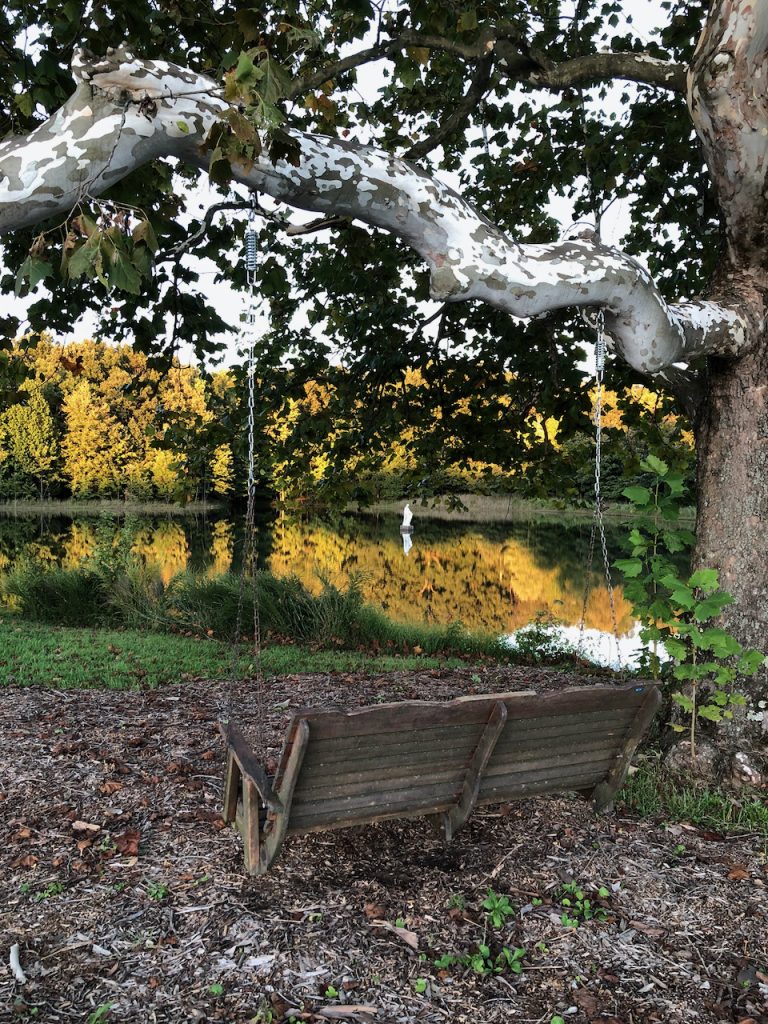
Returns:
(109,592)
(77,658)
(649,794)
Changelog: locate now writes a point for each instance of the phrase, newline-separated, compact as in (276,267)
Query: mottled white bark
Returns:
(728,100)
(126,112)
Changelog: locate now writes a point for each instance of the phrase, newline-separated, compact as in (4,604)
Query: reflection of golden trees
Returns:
(165,547)
(222,547)
(79,545)
(469,579)
(486,584)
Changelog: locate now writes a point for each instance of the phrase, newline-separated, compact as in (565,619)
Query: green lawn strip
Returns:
(649,794)
(70,658)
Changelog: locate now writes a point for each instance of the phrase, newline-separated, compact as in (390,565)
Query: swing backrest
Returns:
(412,758)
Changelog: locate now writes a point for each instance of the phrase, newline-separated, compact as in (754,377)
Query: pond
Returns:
(495,576)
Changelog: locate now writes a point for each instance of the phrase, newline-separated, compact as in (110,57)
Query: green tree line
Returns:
(93,420)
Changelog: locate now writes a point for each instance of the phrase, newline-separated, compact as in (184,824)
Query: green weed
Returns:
(649,794)
(497,909)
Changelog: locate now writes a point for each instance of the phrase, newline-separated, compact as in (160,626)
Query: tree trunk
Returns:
(732,520)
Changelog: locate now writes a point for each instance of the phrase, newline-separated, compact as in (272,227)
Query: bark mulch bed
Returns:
(120,885)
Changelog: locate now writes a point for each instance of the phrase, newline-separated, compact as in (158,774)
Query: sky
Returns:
(646,17)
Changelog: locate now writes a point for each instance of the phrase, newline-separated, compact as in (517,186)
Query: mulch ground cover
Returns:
(125,893)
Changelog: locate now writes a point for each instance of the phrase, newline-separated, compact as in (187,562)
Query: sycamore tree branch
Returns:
(107,129)
(609,66)
(478,87)
(513,61)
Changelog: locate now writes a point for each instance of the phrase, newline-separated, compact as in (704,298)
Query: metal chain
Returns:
(249,566)
(598,523)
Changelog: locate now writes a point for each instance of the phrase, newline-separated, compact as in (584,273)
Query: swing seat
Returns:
(414,758)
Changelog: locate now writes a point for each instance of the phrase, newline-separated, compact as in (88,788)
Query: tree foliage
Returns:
(346,306)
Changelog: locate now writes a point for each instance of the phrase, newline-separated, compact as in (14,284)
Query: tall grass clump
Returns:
(65,597)
(123,591)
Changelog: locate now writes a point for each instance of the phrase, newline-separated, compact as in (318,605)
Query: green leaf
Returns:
(183,127)
(637,495)
(655,465)
(122,274)
(245,70)
(711,712)
(711,607)
(33,270)
(467,21)
(683,598)
(25,103)
(685,702)
(144,232)
(675,648)
(704,579)
(630,567)
(750,662)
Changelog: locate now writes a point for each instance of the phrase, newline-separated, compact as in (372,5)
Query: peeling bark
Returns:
(103,133)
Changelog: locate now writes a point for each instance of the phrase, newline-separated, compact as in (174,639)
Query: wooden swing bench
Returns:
(413,758)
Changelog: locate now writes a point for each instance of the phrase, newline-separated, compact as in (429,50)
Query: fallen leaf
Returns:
(738,873)
(208,755)
(25,862)
(652,931)
(352,1010)
(409,937)
(83,844)
(128,843)
(585,1001)
(374,911)
(23,833)
(110,787)
(85,826)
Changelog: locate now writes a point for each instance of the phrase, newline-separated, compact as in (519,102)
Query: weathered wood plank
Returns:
(274,836)
(430,742)
(332,816)
(381,771)
(369,782)
(231,788)
(318,783)
(249,766)
(416,716)
(414,797)
(605,792)
(458,814)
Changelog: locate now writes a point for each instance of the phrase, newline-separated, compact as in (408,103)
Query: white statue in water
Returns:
(405,526)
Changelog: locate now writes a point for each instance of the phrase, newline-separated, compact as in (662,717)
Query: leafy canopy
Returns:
(349,293)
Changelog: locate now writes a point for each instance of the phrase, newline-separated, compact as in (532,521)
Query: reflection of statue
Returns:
(405,526)
(407,541)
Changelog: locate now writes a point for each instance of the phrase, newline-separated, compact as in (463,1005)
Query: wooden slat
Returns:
(277,832)
(249,766)
(604,793)
(343,813)
(317,777)
(504,787)
(231,789)
(413,797)
(458,814)
(322,790)
(417,716)
(428,743)
(247,823)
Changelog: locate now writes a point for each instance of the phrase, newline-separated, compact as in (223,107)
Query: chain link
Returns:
(249,565)
(598,523)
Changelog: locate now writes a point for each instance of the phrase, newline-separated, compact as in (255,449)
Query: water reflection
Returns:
(491,576)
